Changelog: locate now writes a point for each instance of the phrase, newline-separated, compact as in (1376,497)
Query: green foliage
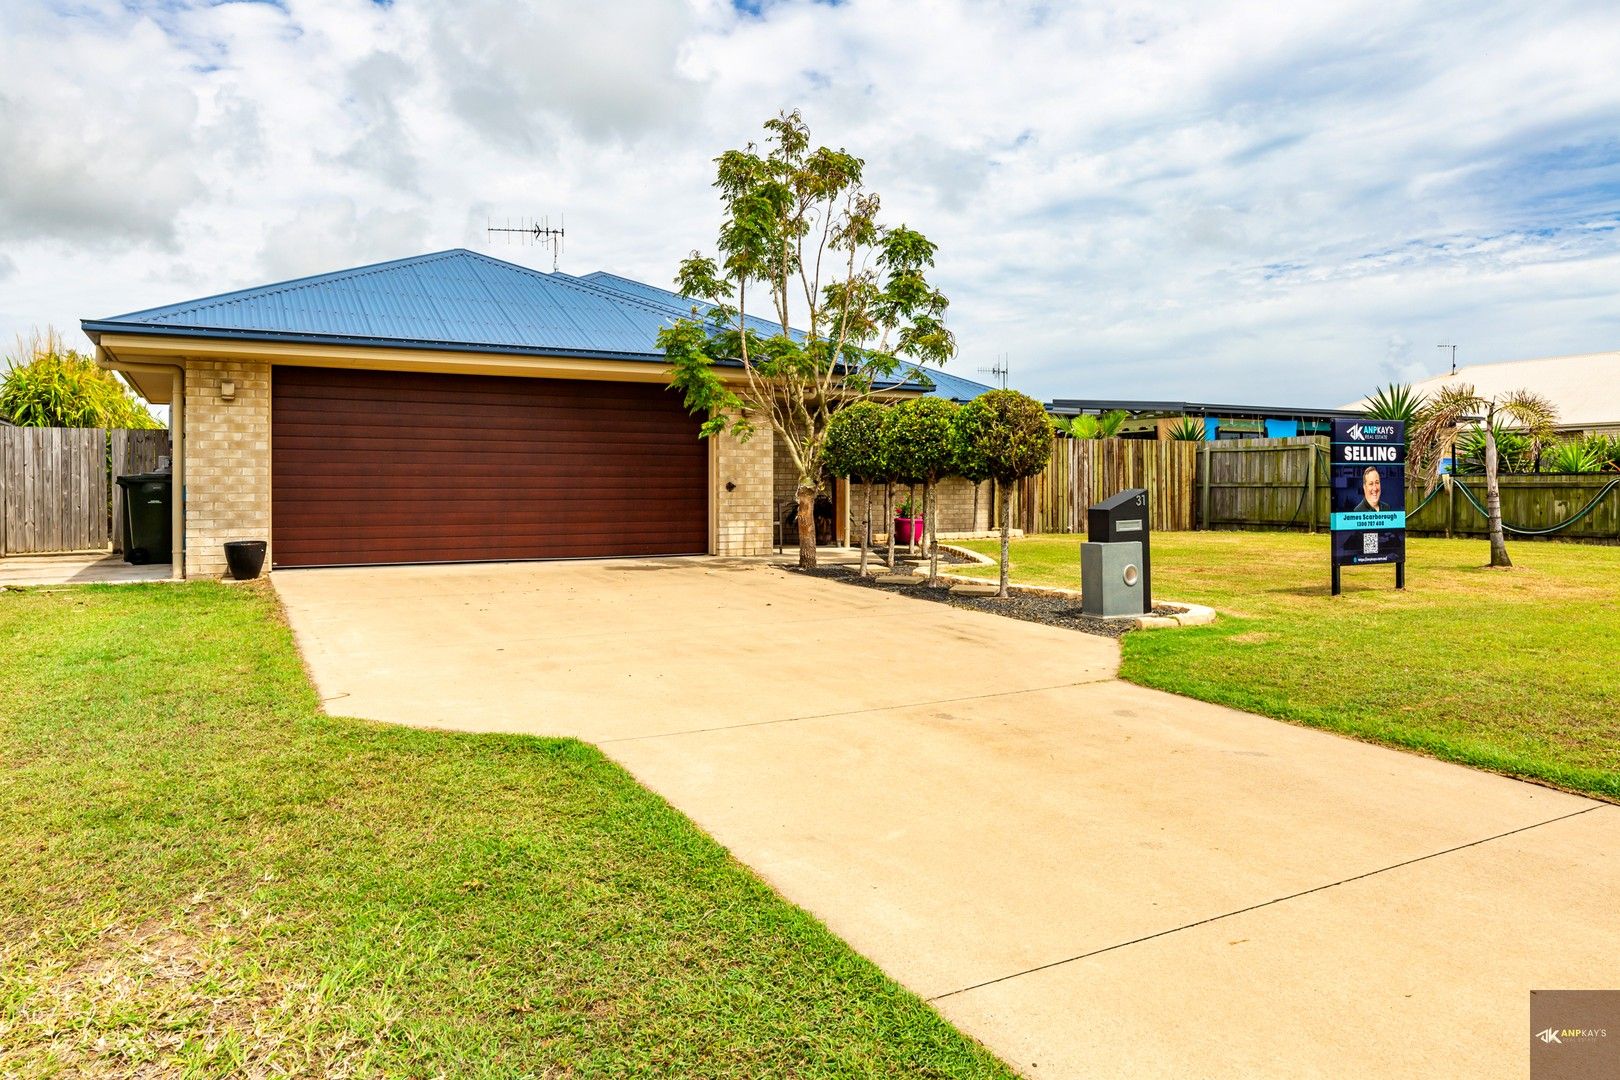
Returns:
(800,231)
(1575,456)
(1189,429)
(1397,401)
(1513,451)
(50,385)
(919,439)
(1004,435)
(1605,449)
(855,442)
(1087,426)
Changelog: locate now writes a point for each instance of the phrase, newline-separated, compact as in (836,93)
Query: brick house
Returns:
(445,407)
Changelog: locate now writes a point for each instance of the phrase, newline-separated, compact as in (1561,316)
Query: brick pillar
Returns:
(227,466)
(742,520)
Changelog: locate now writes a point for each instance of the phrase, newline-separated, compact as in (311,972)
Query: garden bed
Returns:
(1049,609)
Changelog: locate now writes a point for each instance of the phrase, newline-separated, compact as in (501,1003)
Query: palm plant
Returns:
(1512,451)
(1087,426)
(1574,456)
(1397,401)
(1458,404)
(1605,450)
(1187,429)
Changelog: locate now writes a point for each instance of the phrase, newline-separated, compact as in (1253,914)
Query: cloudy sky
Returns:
(1277,203)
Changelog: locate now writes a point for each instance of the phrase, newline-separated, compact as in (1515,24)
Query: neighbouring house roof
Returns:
(1585,388)
(1075,406)
(457,300)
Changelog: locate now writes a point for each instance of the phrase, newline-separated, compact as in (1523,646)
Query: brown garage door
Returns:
(390,467)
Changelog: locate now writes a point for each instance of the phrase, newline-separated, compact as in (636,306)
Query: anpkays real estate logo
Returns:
(1570,1034)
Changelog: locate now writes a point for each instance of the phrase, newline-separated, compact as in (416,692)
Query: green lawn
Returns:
(204,876)
(1512,670)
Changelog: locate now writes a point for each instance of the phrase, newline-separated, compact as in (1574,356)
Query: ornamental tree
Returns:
(855,449)
(801,236)
(1004,435)
(920,442)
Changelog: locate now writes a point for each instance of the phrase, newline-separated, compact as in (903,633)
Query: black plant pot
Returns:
(245,558)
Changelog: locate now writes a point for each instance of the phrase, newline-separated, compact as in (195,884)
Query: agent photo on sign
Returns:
(1372,491)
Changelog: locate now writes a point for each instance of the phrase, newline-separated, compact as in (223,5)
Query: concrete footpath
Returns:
(1092,878)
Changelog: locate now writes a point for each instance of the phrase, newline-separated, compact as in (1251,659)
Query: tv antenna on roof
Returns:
(1453,349)
(1001,369)
(530,231)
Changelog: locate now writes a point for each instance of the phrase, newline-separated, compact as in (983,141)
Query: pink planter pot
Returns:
(908,530)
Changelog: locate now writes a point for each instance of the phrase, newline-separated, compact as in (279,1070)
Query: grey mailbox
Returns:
(1115,561)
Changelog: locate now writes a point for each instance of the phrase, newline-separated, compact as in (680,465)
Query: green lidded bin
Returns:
(148,526)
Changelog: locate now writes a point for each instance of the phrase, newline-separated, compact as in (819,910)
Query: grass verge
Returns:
(1509,670)
(205,876)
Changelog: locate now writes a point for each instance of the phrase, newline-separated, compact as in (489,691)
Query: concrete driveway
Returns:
(1092,878)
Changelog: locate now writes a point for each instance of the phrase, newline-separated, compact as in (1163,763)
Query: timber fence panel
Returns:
(1083,472)
(53,490)
(1273,484)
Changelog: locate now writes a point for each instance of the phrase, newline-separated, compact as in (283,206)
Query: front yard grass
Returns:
(203,875)
(1517,670)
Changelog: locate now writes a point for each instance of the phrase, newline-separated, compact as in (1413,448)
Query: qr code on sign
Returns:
(1369,543)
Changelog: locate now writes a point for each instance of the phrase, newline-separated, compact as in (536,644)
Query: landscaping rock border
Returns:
(1046,604)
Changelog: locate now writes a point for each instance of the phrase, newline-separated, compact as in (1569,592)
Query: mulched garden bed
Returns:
(1059,611)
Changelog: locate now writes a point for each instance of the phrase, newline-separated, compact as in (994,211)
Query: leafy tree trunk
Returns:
(911,546)
(931,531)
(975,526)
(1493,501)
(807,527)
(866,526)
(888,517)
(1006,535)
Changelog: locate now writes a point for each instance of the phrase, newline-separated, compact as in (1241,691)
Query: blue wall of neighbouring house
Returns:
(1282,429)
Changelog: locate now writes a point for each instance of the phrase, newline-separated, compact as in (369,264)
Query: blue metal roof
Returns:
(949,386)
(671,301)
(455,299)
(954,387)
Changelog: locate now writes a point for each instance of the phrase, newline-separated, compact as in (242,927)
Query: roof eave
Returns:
(94,328)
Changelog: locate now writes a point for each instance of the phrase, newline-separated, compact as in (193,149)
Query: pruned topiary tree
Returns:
(920,441)
(1006,436)
(855,449)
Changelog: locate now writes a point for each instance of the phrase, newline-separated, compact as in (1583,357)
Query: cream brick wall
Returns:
(227,461)
(743,515)
(954,496)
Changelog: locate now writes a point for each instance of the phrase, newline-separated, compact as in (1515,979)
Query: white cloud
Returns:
(1140,200)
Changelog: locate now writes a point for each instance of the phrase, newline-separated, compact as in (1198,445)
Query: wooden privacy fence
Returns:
(1082,472)
(1284,484)
(1263,483)
(56,490)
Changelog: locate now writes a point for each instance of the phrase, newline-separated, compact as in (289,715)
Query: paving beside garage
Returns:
(1094,878)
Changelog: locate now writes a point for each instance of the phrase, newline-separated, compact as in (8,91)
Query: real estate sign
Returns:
(1368,501)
